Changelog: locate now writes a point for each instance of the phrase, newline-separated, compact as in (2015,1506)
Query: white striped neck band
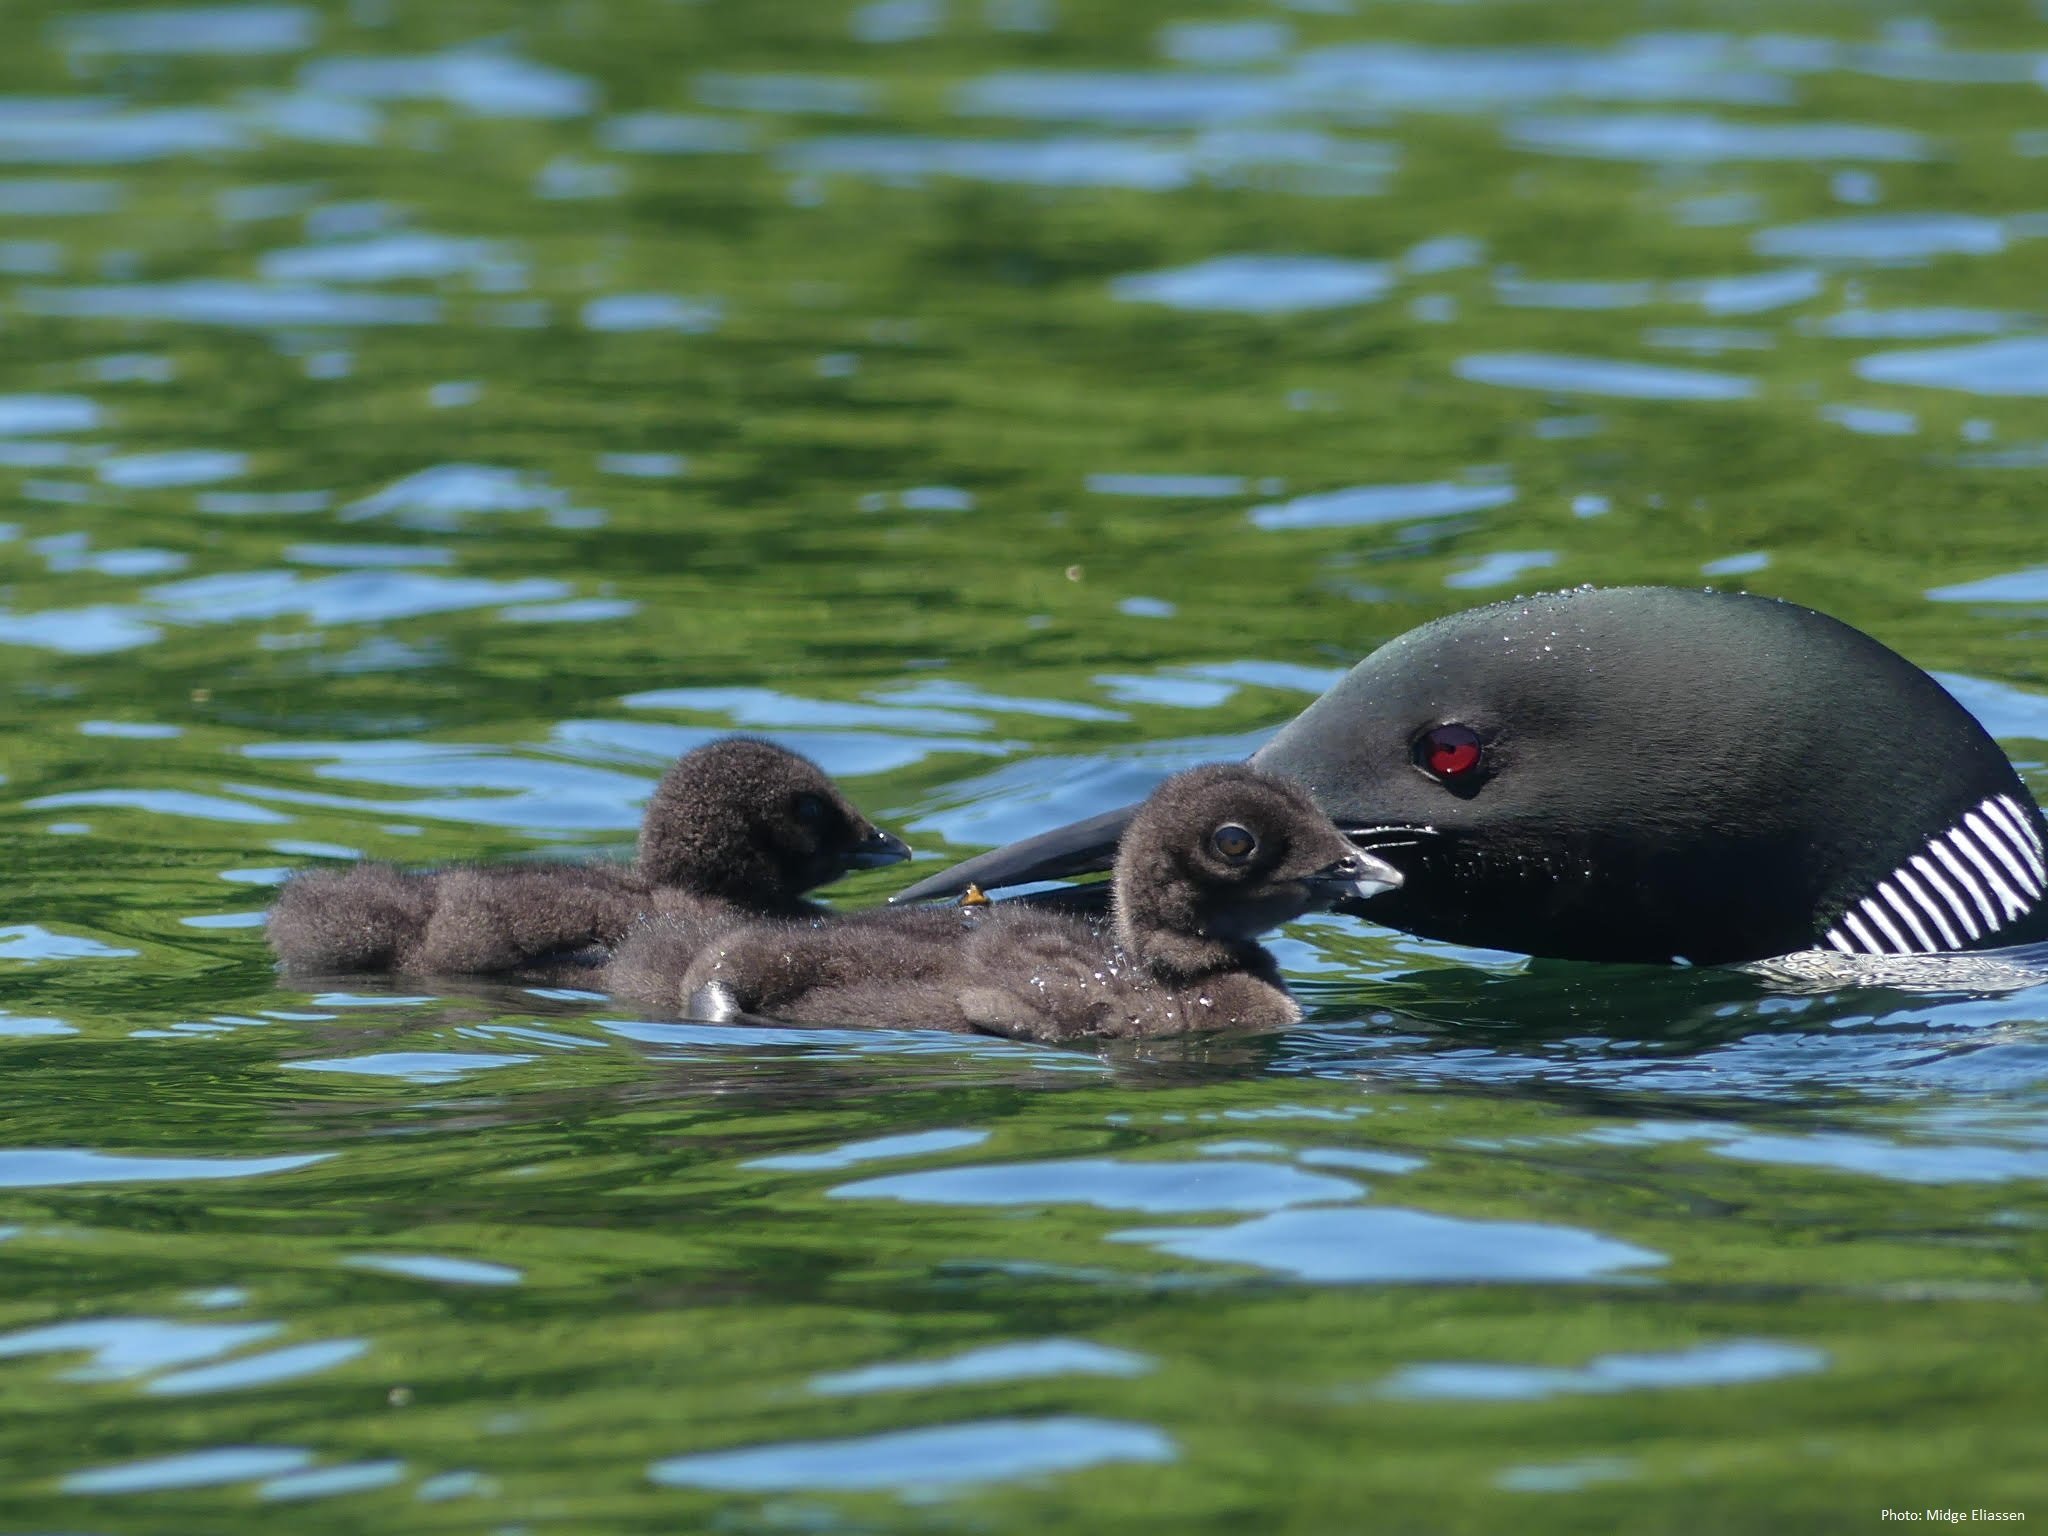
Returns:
(1978,877)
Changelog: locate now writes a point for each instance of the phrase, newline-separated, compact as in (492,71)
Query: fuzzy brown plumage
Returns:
(736,828)
(1178,954)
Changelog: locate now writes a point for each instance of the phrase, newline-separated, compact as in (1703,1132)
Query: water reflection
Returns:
(484,81)
(1260,284)
(52,197)
(38,1168)
(122,1348)
(326,1482)
(1884,237)
(261,1370)
(1021,798)
(877,1149)
(1217,1185)
(212,1468)
(1913,324)
(1029,1361)
(2015,367)
(436,1267)
(172,467)
(438,499)
(1872,421)
(1499,569)
(1367,505)
(227,29)
(676,133)
(1698,139)
(1602,376)
(89,132)
(1387,1245)
(413,1066)
(221,301)
(993,1450)
(420,428)
(817,95)
(408,256)
(1737,1362)
(1073,162)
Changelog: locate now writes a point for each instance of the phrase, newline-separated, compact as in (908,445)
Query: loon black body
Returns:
(736,828)
(1215,857)
(1650,774)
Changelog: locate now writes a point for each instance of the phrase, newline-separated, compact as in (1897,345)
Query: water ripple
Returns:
(326,1482)
(1672,67)
(218,301)
(260,1370)
(82,132)
(1924,324)
(47,1168)
(171,467)
(51,197)
(436,1267)
(1878,238)
(1500,568)
(1260,285)
(212,1468)
(1737,1362)
(876,1149)
(1023,798)
(1386,1245)
(765,707)
(1131,100)
(1601,376)
(36,415)
(1030,1360)
(993,1450)
(412,1066)
(482,81)
(1703,140)
(820,95)
(123,1348)
(1063,162)
(2015,367)
(1360,506)
(409,256)
(676,133)
(221,29)
(1217,1185)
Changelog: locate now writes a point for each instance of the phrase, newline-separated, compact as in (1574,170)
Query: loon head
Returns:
(1650,774)
(751,822)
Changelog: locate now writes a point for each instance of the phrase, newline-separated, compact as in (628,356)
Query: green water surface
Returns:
(418,422)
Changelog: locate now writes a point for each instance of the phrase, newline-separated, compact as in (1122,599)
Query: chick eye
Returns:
(1450,754)
(1235,843)
(810,809)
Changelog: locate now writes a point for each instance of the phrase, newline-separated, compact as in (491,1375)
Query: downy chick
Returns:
(1217,856)
(736,829)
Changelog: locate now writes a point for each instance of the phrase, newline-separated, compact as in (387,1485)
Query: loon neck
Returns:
(1178,951)
(1978,883)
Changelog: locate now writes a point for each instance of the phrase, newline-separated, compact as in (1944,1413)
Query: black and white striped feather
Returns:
(1976,878)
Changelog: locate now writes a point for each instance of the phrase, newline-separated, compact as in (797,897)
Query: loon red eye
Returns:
(1450,754)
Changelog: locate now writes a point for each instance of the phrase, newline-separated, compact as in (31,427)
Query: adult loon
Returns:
(1649,774)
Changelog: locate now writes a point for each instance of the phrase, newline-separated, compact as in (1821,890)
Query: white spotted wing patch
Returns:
(1969,881)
